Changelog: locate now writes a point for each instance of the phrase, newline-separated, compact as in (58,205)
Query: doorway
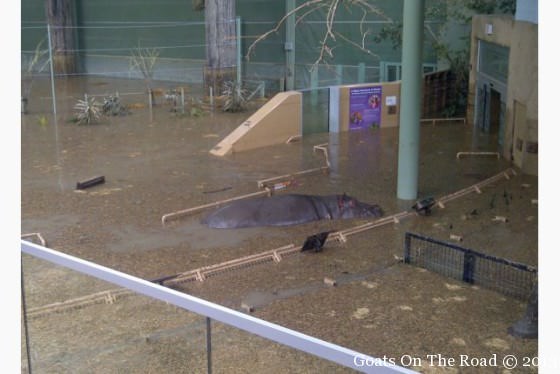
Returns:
(495,112)
(490,109)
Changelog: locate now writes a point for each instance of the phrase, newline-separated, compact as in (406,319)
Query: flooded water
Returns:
(160,163)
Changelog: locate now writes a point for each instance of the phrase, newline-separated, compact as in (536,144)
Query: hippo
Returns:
(289,209)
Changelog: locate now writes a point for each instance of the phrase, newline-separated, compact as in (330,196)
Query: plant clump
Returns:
(87,111)
(112,106)
(235,97)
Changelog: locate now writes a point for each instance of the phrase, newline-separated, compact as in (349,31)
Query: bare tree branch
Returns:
(360,47)
(279,24)
(330,36)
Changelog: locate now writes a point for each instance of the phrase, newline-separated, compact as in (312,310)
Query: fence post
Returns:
(238,45)
(209,344)
(150,104)
(361,72)
(407,248)
(25,325)
(339,71)
(469,261)
(52,69)
(314,84)
(182,100)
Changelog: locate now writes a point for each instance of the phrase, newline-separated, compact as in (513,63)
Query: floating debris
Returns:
(247,308)
(90,182)
(458,341)
(453,287)
(500,219)
(457,238)
(360,313)
(497,343)
(370,285)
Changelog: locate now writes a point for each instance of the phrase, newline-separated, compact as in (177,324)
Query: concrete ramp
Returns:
(274,123)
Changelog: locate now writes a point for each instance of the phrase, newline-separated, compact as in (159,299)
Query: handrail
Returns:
(320,348)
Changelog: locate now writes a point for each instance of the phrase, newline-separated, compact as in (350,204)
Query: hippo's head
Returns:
(349,207)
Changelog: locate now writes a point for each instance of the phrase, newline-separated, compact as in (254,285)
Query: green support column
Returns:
(411,91)
(290,45)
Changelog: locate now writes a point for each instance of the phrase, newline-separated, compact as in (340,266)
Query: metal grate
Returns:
(497,274)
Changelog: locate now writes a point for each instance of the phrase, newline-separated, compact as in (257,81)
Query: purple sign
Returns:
(365,107)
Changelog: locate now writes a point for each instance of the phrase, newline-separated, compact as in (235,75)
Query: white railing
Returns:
(332,352)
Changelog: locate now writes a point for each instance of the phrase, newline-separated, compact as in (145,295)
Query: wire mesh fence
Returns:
(498,274)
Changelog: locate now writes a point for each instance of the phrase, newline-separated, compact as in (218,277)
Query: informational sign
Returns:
(391,101)
(365,107)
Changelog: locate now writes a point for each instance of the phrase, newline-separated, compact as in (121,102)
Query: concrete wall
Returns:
(521,117)
(274,123)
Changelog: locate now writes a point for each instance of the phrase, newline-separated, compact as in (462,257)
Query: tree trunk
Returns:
(61,18)
(220,44)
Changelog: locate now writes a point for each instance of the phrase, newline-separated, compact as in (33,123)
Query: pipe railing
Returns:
(276,333)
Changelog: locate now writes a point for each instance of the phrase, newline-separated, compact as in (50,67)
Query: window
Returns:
(392,71)
(493,60)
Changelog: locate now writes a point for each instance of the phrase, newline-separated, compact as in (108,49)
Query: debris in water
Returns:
(90,182)
(315,242)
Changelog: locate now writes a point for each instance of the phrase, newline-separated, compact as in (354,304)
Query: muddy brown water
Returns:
(379,306)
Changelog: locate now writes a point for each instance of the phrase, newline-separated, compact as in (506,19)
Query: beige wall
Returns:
(521,117)
(274,123)
(389,117)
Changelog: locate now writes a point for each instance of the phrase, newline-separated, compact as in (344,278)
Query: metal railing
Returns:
(276,333)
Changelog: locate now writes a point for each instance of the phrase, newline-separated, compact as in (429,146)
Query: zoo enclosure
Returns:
(270,331)
(497,274)
(107,33)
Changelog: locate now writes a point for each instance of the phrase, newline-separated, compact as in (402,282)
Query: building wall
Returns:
(521,117)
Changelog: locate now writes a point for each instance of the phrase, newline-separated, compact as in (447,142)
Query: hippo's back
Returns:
(280,210)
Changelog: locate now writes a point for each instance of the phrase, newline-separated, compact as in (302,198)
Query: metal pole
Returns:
(411,86)
(314,84)
(209,344)
(361,72)
(238,37)
(289,46)
(25,325)
(339,72)
(150,104)
(182,100)
(52,68)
